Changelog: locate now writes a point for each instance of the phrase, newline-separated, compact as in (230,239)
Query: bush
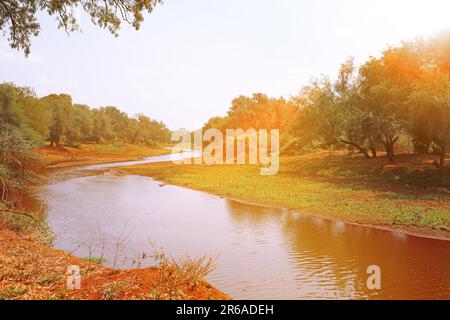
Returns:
(18,163)
(178,275)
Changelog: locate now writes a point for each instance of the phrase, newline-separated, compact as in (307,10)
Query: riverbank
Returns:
(59,157)
(31,269)
(409,196)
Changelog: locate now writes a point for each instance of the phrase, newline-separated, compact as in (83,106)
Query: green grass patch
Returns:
(96,260)
(108,148)
(339,189)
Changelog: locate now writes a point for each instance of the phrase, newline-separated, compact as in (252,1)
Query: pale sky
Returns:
(192,57)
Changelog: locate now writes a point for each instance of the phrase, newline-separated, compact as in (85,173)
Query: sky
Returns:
(192,57)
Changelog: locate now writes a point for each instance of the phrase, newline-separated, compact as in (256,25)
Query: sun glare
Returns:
(416,17)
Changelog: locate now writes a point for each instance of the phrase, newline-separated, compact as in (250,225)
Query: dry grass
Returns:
(114,289)
(12,291)
(179,276)
(31,270)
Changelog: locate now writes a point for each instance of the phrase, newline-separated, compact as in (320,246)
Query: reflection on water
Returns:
(263,253)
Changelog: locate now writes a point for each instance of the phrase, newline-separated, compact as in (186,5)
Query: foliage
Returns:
(55,118)
(33,225)
(96,260)
(20,17)
(27,121)
(404,93)
(17,161)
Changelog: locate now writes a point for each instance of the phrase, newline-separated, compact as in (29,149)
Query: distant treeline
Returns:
(56,119)
(403,95)
(27,122)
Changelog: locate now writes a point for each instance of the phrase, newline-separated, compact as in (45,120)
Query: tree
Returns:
(84,122)
(19,17)
(37,119)
(120,123)
(383,93)
(260,112)
(17,159)
(359,127)
(62,118)
(430,102)
(434,57)
(319,123)
(20,108)
(216,123)
(149,132)
(10,111)
(102,126)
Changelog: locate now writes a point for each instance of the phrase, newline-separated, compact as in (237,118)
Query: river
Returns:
(261,252)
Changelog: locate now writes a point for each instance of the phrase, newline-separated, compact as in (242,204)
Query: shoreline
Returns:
(416,231)
(411,230)
(136,283)
(419,232)
(90,157)
(43,269)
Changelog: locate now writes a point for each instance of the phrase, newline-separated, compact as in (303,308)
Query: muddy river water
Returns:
(262,252)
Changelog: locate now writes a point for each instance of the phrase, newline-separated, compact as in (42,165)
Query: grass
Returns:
(49,279)
(112,290)
(32,270)
(107,148)
(178,276)
(32,225)
(12,291)
(96,260)
(408,193)
(110,148)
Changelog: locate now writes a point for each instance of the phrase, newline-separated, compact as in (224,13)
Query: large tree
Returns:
(84,122)
(319,122)
(357,125)
(20,108)
(260,112)
(63,125)
(385,84)
(19,18)
(430,104)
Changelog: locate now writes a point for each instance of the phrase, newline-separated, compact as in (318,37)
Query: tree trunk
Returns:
(373,150)
(360,148)
(390,152)
(389,144)
(442,160)
(3,189)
